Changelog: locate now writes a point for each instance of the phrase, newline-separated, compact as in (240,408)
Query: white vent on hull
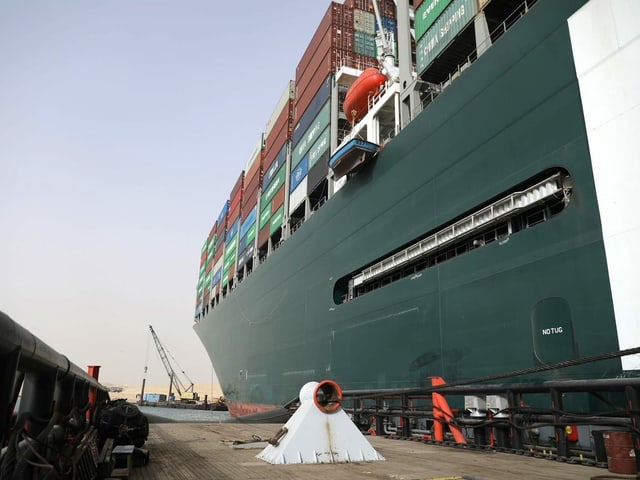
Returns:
(497,211)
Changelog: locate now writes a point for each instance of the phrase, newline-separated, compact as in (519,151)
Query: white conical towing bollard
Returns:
(319,431)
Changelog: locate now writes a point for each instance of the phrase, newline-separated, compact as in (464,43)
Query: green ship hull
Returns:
(534,296)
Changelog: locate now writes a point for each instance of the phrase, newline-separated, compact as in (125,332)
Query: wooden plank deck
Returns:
(185,451)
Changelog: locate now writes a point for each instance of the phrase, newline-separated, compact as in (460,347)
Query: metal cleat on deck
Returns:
(319,431)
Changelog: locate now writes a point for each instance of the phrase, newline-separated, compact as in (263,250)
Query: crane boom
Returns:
(179,386)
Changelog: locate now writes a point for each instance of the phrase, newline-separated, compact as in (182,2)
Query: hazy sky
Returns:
(123,127)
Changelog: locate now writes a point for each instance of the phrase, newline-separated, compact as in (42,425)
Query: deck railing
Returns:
(497,32)
(40,391)
(563,418)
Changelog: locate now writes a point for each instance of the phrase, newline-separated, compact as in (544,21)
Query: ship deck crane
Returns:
(184,393)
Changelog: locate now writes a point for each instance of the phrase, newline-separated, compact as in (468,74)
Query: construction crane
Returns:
(184,393)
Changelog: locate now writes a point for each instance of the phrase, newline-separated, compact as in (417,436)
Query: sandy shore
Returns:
(132,392)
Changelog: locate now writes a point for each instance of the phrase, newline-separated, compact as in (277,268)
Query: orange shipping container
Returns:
(238,185)
(249,203)
(263,235)
(234,204)
(278,144)
(333,16)
(251,189)
(278,199)
(233,215)
(255,170)
(281,130)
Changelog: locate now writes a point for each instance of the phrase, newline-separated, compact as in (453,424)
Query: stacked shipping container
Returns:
(218,259)
(233,226)
(253,182)
(345,37)
(437,23)
(276,148)
(290,164)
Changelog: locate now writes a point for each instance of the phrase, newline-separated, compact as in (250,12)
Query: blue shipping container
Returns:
(231,233)
(216,277)
(299,173)
(155,397)
(246,255)
(223,213)
(249,220)
(312,110)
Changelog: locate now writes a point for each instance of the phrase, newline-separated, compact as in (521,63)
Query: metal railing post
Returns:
(8,374)
(37,399)
(561,438)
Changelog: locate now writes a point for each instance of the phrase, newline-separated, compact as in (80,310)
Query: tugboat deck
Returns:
(187,451)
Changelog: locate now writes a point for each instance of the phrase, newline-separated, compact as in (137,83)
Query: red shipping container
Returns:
(315,42)
(308,94)
(387,7)
(234,215)
(235,202)
(238,185)
(251,188)
(263,235)
(340,37)
(343,38)
(324,45)
(277,147)
(347,16)
(318,64)
(205,300)
(249,204)
(213,230)
(218,254)
(362,62)
(278,200)
(283,123)
(254,170)
(221,227)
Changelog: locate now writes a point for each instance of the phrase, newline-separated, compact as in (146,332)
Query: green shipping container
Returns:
(276,220)
(274,186)
(212,244)
(320,147)
(427,13)
(311,135)
(265,215)
(251,234)
(452,21)
(230,252)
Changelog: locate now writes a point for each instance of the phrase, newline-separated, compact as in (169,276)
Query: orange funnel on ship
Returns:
(356,102)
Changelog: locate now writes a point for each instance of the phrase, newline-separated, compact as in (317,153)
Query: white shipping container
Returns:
(298,195)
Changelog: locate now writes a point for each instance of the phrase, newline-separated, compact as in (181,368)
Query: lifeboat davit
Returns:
(356,103)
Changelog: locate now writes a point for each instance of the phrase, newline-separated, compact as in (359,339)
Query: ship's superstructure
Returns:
(486,224)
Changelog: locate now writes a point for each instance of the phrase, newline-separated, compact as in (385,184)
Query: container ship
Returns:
(446,188)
